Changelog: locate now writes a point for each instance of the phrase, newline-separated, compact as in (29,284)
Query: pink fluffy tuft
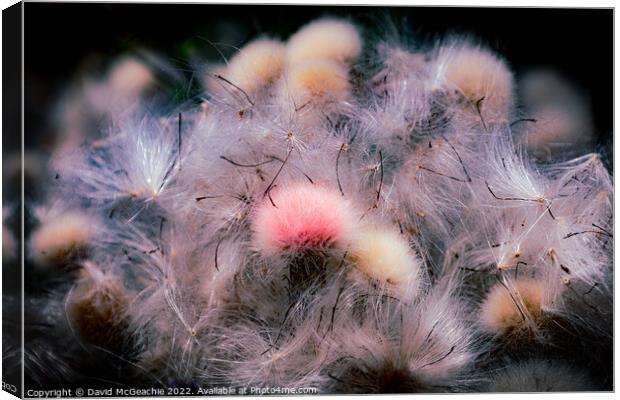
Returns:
(305,217)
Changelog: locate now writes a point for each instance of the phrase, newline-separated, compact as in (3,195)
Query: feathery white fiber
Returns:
(403,348)
(379,217)
(137,160)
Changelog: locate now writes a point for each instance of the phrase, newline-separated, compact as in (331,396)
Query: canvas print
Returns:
(287,200)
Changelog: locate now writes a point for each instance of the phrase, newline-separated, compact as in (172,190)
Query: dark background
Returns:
(61,39)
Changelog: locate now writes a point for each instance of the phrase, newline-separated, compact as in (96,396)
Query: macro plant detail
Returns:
(342,212)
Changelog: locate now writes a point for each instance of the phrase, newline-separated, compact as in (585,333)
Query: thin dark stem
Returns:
(534,120)
(161,233)
(441,174)
(439,359)
(302,107)
(270,198)
(296,167)
(508,198)
(478,109)
(335,378)
(459,157)
(237,164)
(288,154)
(217,249)
(591,289)
(602,229)
(381,179)
(517,267)
(586,231)
(512,297)
(236,87)
(207,197)
(342,147)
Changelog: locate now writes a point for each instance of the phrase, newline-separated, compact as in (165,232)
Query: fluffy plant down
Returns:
(335,213)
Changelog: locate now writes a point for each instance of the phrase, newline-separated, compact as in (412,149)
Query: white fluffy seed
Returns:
(318,82)
(328,39)
(383,254)
(499,313)
(477,74)
(257,64)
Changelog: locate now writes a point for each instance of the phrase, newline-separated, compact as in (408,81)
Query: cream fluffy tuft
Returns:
(55,240)
(499,312)
(129,77)
(478,74)
(383,254)
(328,39)
(318,82)
(257,64)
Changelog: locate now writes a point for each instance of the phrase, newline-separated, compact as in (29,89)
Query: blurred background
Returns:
(64,40)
